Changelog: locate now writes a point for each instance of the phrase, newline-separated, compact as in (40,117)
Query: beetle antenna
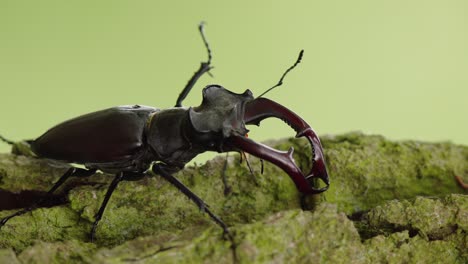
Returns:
(205,67)
(9,142)
(201,28)
(299,58)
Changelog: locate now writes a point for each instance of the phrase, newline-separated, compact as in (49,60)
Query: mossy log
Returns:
(388,202)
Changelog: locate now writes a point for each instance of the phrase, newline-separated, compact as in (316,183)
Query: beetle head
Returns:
(219,125)
(219,116)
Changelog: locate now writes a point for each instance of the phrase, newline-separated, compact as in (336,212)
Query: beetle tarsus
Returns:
(227,235)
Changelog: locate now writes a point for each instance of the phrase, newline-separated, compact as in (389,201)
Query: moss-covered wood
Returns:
(388,202)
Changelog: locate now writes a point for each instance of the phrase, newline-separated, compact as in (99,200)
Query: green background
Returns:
(396,68)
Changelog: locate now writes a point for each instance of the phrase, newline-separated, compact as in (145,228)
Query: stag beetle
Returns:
(129,140)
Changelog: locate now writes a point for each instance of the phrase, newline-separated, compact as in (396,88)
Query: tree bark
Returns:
(388,202)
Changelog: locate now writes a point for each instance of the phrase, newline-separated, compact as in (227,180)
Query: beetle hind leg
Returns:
(72,172)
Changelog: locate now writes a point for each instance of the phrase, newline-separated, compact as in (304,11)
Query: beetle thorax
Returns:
(167,137)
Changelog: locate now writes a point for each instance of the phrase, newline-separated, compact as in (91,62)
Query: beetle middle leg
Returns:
(72,172)
(160,170)
(121,176)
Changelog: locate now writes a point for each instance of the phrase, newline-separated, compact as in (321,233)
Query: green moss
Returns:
(428,216)
(43,224)
(8,256)
(366,170)
(71,251)
(25,173)
(151,221)
(400,248)
(296,236)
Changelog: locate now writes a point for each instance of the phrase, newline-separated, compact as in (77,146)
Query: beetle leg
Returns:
(121,176)
(160,170)
(72,172)
(248,163)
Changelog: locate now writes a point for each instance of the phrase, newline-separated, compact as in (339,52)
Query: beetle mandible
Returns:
(129,140)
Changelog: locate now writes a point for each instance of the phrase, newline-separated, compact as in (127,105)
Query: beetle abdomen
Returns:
(108,135)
